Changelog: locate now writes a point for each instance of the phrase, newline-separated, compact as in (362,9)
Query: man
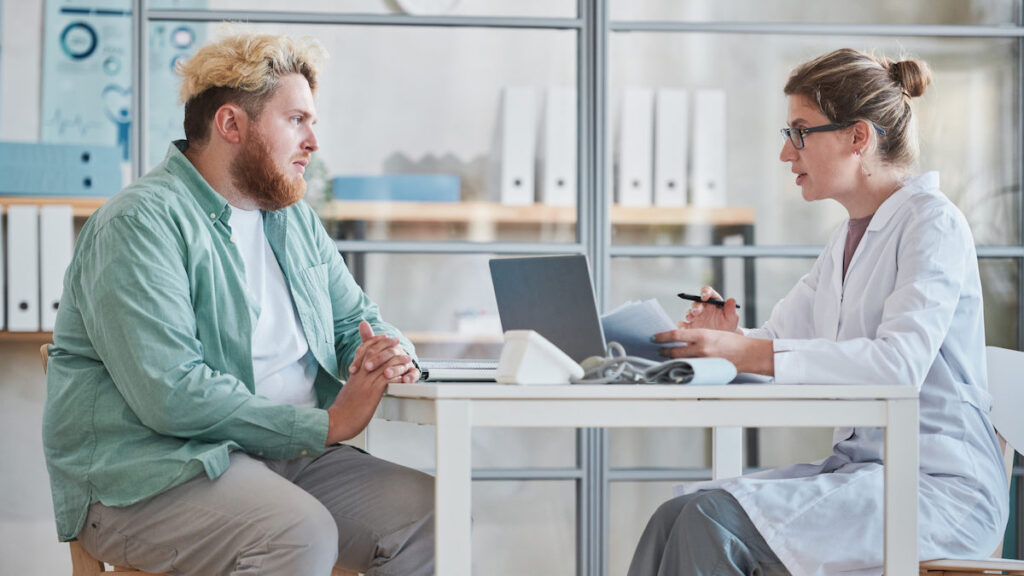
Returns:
(193,397)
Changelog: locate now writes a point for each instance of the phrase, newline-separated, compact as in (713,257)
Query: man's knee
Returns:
(302,539)
(413,493)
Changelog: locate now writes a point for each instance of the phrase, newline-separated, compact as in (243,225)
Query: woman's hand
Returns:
(710,316)
(752,355)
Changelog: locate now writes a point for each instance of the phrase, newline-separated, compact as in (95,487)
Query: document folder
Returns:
(518,145)
(558,148)
(709,121)
(671,133)
(636,139)
(56,241)
(39,169)
(398,188)
(23,269)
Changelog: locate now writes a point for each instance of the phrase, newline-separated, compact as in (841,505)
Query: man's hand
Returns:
(378,350)
(748,354)
(379,361)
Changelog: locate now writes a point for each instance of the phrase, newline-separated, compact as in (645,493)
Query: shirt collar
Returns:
(214,205)
(927,183)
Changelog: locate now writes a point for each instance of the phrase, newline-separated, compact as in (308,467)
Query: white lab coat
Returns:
(909,312)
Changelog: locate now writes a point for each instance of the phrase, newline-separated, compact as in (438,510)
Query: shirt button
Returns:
(234,240)
(212,216)
(303,452)
(260,454)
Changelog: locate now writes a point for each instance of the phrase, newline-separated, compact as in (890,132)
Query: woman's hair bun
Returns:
(913,76)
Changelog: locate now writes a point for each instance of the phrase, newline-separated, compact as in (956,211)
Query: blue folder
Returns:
(39,169)
(399,187)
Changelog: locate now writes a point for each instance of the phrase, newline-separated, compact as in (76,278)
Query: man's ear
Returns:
(229,122)
(861,134)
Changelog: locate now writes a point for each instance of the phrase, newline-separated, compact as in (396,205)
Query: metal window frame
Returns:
(593,472)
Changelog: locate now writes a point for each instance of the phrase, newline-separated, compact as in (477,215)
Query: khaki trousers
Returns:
(277,517)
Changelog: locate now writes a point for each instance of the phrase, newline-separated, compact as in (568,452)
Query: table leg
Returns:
(452,488)
(726,452)
(901,486)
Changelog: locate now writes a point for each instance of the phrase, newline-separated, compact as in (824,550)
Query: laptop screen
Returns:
(552,295)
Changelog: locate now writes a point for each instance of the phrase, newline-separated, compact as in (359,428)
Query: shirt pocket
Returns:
(318,302)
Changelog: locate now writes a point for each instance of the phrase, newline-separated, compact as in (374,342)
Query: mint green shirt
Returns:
(150,379)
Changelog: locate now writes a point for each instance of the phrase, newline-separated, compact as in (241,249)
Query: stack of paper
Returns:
(633,324)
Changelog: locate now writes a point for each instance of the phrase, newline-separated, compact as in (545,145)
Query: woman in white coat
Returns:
(894,298)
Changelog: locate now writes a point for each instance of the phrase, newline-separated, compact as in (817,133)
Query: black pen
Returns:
(715,301)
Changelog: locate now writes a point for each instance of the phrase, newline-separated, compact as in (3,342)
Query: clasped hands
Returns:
(380,360)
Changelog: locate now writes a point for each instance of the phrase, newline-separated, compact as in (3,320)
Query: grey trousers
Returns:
(277,517)
(703,534)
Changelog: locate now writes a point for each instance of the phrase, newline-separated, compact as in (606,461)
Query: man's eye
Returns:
(296,120)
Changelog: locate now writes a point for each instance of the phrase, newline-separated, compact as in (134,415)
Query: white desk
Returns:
(455,409)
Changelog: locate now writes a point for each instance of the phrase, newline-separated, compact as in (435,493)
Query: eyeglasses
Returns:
(796,135)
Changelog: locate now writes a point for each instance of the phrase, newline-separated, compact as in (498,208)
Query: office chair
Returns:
(83,564)
(1005,370)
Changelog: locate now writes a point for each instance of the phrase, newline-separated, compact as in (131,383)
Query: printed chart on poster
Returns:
(87,72)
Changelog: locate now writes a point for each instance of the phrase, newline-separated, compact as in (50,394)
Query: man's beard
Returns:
(255,175)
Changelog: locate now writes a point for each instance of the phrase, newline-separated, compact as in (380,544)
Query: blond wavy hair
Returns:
(243,68)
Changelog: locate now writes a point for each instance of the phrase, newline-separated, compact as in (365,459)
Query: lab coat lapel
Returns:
(829,314)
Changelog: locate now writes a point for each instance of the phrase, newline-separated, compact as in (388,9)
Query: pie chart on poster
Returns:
(426,7)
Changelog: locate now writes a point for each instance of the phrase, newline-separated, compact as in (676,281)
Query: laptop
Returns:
(552,295)
(549,294)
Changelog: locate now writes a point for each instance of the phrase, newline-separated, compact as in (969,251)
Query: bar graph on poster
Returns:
(87,74)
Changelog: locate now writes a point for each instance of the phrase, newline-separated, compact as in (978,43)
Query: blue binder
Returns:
(399,187)
(38,169)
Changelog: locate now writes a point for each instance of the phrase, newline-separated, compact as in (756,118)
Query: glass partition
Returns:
(488,8)
(441,144)
(915,12)
(726,131)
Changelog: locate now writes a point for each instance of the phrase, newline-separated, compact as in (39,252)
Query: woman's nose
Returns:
(788,152)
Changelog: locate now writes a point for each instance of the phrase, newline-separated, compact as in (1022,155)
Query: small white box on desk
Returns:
(23,269)
(530,359)
(671,132)
(56,241)
(518,145)
(558,148)
(709,149)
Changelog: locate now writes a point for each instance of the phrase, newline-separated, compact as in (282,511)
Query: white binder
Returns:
(671,133)
(23,269)
(636,139)
(709,148)
(518,145)
(56,240)
(557,166)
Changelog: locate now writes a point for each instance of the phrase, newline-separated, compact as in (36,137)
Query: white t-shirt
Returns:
(283,365)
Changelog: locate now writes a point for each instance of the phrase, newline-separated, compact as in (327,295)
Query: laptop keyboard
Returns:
(458,363)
